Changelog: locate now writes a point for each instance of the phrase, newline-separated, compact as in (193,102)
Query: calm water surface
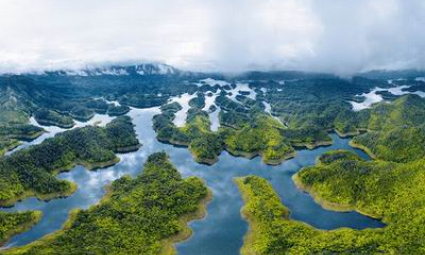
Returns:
(222,230)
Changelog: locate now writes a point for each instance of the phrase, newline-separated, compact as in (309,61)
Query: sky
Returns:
(339,36)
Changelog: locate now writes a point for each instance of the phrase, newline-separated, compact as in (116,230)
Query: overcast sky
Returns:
(342,36)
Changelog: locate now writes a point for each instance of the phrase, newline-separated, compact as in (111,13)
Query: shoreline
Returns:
(53,123)
(168,244)
(330,205)
(21,228)
(248,238)
(363,148)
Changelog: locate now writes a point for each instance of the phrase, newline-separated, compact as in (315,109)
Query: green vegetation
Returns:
(118,110)
(396,130)
(145,215)
(82,113)
(10,135)
(397,201)
(98,105)
(51,118)
(196,134)
(32,171)
(198,102)
(14,223)
(263,138)
(248,133)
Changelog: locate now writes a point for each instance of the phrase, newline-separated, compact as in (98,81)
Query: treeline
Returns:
(389,191)
(11,135)
(247,133)
(32,171)
(144,215)
(14,223)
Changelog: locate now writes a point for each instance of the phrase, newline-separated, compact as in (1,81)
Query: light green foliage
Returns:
(136,217)
(397,130)
(13,223)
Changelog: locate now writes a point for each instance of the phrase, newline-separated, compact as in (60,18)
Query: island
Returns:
(32,171)
(142,215)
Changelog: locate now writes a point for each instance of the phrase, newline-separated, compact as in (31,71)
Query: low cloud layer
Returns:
(342,36)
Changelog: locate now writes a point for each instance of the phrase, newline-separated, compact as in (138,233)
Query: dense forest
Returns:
(144,215)
(13,223)
(32,171)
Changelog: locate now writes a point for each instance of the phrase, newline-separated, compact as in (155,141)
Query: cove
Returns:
(222,230)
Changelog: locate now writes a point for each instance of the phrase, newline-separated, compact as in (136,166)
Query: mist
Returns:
(338,36)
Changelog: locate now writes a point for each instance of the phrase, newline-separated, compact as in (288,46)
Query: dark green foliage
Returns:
(114,110)
(332,156)
(82,113)
(32,170)
(197,102)
(98,105)
(233,119)
(49,117)
(308,136)
(143,101)
(228,104)
(171,107)
(10,135)
(136,217)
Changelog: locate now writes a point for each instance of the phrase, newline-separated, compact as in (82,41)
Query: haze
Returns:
(340,36)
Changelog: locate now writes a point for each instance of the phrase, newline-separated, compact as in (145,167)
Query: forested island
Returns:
(389,188)
(32,171)
(145,215)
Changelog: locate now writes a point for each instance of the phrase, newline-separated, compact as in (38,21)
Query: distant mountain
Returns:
(117,70)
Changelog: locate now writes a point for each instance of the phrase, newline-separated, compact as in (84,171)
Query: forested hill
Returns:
(32,171)
(144,215)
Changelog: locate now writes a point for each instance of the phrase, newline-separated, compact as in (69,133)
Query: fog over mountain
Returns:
(341,36)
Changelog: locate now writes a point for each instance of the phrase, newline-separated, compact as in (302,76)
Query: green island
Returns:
(249,133)
(32,171)
(14,223)
(82,113)
(118,110)
(396,130)
(11,135)
(145,215)
(52,118)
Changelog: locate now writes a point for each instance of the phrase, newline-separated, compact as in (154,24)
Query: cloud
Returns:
(341,36)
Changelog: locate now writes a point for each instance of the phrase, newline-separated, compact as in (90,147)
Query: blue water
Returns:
(222,230)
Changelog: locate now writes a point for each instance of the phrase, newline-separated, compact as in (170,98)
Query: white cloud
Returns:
(328,35)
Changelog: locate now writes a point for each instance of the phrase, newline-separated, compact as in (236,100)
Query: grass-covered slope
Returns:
(32,171)
(145,215)
(14,223)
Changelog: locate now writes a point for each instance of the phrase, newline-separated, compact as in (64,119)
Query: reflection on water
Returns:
(183,100)
(51,131)
(222,231)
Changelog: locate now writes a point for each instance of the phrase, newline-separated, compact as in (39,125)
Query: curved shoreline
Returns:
(90,166)
(248,238)
(21,228)
(330,205)
(54,123)
(363,148)
(168,245)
